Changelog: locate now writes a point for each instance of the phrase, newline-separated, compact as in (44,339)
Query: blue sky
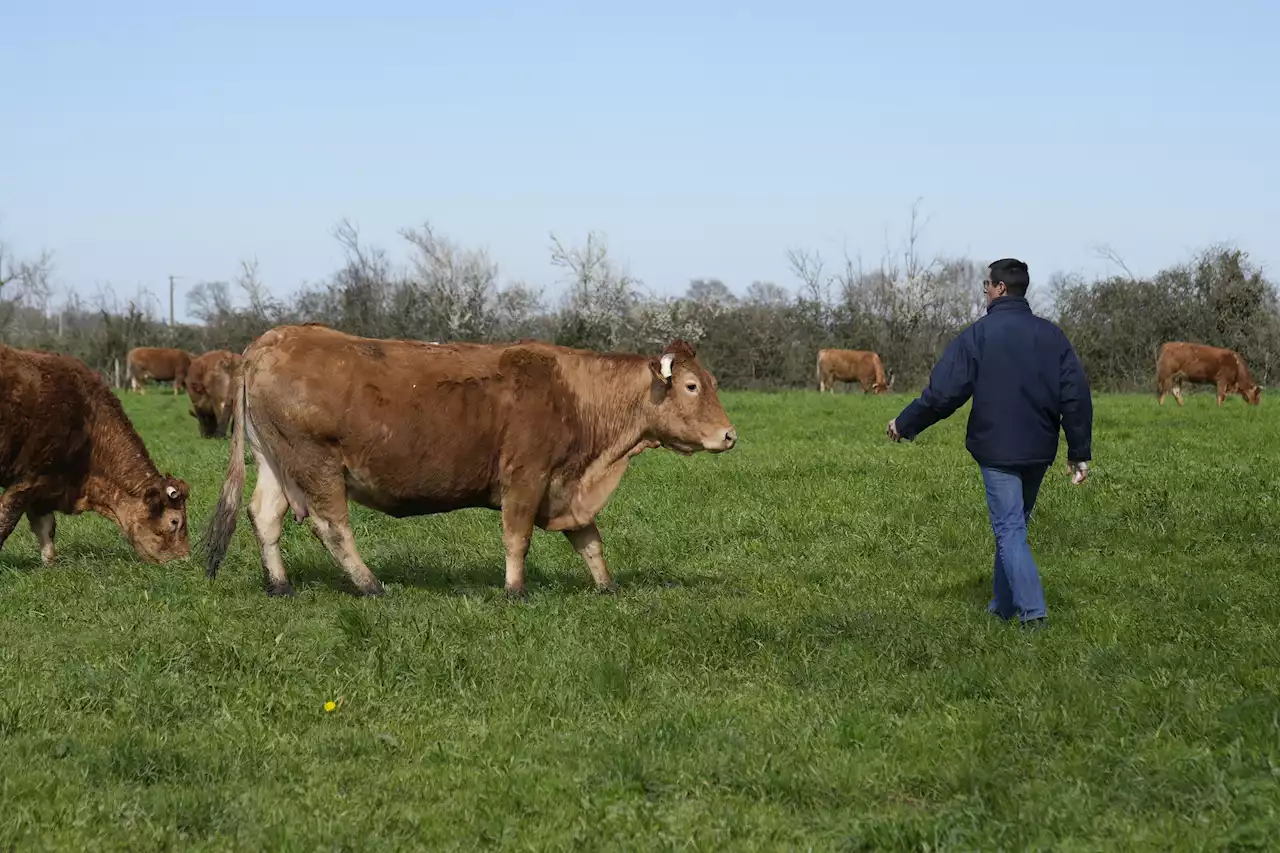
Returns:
(703,139)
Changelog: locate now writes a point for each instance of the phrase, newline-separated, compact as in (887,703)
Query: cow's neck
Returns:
(613,406)
(614,413)
(120,468)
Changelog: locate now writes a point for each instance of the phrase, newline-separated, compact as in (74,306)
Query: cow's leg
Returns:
(587,542)
(266,511)
(204,422)
(43,525)
(13,503)
(1177,393)
(1222,393)
(220,425)
(517,529)
(335,532)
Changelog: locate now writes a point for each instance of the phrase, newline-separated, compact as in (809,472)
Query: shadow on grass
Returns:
(11,561)
(476,578)
(976,590)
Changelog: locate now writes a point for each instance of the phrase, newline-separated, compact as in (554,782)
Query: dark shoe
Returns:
(1040,623)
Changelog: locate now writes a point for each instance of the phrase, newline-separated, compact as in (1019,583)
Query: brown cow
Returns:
(66,445)
(210,383)
(159,363)
(851,365)
(542,433)
(1199,363)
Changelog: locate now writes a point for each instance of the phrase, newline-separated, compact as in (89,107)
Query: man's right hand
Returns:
(1079,471)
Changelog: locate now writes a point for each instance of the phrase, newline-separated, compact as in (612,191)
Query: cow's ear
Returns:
(155,500)
(175,490)
(661,368)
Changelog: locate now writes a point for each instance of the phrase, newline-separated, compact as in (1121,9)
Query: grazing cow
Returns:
(66,445)
(540,432)
(159,363)
(1199,363)
(210,383)
(851,365)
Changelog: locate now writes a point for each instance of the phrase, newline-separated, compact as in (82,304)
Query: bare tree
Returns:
(24,285)
(1106,253)
(809,268)
(600,296)
(458,288)
(210,301)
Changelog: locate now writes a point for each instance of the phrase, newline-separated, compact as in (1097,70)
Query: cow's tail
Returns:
(818,370)
(217,536)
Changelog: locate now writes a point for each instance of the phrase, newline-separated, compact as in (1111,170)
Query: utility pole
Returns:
(171,278)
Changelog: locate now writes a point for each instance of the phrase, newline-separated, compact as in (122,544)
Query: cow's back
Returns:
(1197,362)
(46,418)
(418,426)
(851,365)
(202,373)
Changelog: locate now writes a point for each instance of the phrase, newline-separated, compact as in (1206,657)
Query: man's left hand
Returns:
(892,431)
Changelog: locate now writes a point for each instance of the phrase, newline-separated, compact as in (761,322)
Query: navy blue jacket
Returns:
(1025,380)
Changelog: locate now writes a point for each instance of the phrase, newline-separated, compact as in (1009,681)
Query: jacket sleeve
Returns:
(1077,408)
(950,386)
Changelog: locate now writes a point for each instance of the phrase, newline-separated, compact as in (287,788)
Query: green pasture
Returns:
(798,659)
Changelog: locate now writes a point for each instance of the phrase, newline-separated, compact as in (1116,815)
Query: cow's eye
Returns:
(693,387)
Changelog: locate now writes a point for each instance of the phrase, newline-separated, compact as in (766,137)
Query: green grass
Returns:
(798,659)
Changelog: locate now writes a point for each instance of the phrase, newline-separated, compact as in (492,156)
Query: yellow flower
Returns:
(330,705)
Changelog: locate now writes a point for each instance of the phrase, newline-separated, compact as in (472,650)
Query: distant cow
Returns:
(66,445)
(851,365)
(159,363)
(1199,363)
(210,383)
(542,433)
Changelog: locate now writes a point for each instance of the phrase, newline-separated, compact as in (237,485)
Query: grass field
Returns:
(798,659)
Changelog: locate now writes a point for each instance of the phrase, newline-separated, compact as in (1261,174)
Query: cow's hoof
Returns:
(280,590)
(610,588)
(373,590)
(516,593)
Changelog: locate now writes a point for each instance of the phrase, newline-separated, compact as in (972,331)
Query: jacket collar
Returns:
(1009,303)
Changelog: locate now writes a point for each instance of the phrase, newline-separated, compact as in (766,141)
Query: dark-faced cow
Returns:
(210,383)
(67,446)
(540,432)
(1199,363)
(851,365)
(159,363)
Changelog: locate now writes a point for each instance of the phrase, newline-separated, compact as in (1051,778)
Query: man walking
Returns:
(1026,382)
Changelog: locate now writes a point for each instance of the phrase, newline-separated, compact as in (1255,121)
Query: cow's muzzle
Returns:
(723,441)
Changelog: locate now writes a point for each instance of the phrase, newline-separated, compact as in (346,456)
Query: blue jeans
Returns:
(1011,495)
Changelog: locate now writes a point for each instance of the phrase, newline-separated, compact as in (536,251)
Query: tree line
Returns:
(904,306)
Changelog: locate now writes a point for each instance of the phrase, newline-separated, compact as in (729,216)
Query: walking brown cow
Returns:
(159,363)
(66,445)
(851,365)
(210,383)
(540,432)
(1179,360)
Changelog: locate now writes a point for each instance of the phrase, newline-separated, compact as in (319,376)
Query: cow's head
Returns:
(1253,395)
(688,416)
(156,523)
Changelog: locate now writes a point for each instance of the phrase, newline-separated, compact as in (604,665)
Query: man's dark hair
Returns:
(1013,274)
